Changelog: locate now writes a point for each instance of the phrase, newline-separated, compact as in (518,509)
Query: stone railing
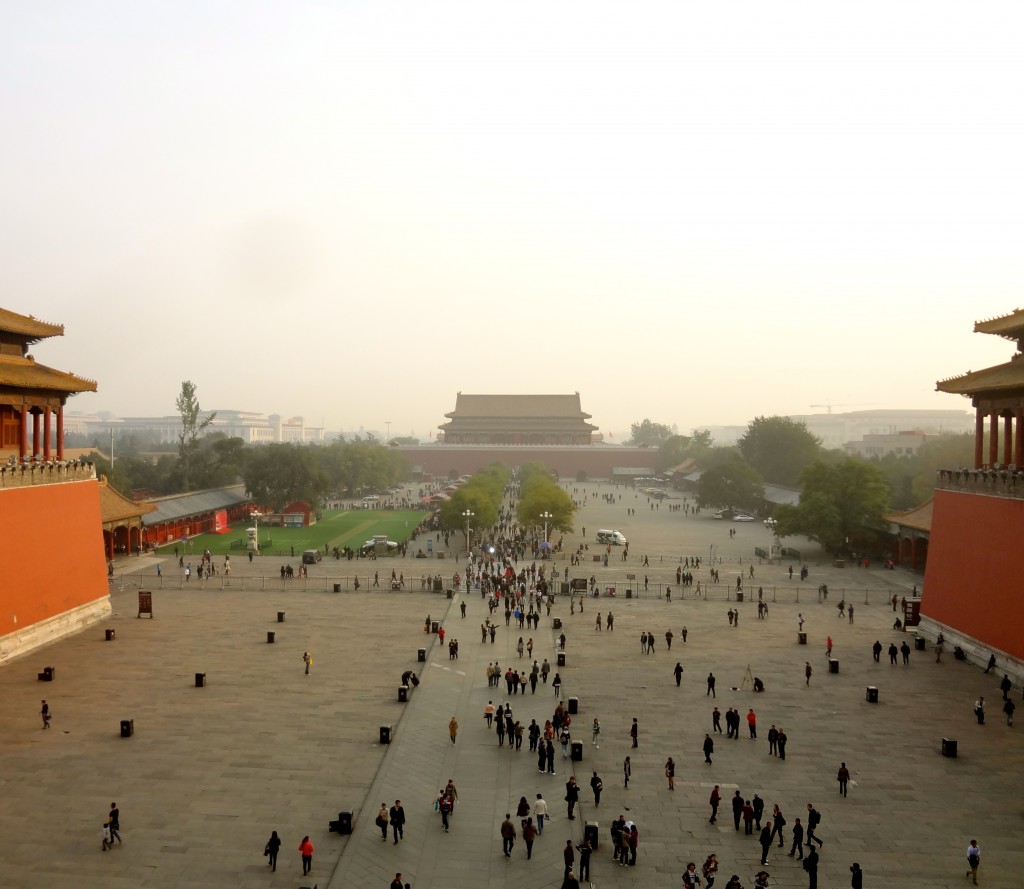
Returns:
(48,472)
(994,482)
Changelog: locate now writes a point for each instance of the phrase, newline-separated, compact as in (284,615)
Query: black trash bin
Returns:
(949,747)
(270,635)
(833,665)
(434,626)
(449,594)
(200,680)
(345,822)
(280,617)
(801,638)
(110,635)
(872,694)
(739,595)
(577,751)
(48,674)
(561,658)
(421,654)
(127,728)
(919,643)
(590,832)
(385,734)
(403,694)
(337,588)
(556,623)
(629,594)
(574,706)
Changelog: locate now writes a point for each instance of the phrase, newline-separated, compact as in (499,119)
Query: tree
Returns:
(650,434)
(674,450)
(732,484)
(841,505)
(278,474)
(191,427)
(539,494)
(779,448)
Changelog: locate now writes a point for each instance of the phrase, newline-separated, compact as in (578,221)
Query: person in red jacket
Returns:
(306,849)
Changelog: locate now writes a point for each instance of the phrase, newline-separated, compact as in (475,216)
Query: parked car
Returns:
(743,517)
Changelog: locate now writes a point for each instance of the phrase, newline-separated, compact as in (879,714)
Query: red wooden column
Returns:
(993,439)
(1018,438)
(35,433)
(979,437)
(23,434)
(60,432)
(1007,440)
(47,433)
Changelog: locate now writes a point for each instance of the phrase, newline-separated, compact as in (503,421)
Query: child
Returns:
(107,842)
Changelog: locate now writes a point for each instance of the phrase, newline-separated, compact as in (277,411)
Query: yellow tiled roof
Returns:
(919,518)
(25,373)
(28,326)
(114,506)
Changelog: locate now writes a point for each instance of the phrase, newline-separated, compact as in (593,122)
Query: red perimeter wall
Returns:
(973,579)
(596,461)
(51,552)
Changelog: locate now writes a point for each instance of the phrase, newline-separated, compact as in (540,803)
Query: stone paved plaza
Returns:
(211,771)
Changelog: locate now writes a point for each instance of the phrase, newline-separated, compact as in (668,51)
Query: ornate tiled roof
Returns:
(1009,326)
(25,373)
(1003,377)
(920,518)
(115,507)
(519,407)
(25,325)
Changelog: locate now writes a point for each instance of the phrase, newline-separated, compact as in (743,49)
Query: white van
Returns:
(615,538)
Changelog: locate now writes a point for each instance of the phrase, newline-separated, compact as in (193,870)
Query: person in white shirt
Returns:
(540,812)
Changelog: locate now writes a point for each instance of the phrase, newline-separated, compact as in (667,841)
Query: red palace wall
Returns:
(51,550)
(595,461)
(973,580)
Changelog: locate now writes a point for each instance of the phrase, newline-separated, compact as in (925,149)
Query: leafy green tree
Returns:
(841,505)
(278,474)
(191,428)
(939,452)
(540,493)
(732,484)
(779,448)
(476,500)
(674,450)
(650,434)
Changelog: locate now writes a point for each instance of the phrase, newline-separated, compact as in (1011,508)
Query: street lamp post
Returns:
(546,516)
(467,515)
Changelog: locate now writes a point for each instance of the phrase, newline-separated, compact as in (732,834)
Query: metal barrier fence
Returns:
(714,592)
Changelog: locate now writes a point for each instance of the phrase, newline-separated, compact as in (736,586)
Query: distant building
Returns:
(517,420)
(835,430)
(251,427)
(901,444)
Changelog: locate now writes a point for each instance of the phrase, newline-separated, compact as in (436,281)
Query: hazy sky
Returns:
(691,212)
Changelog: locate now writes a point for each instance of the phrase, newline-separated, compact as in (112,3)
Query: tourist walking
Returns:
(397,817)
(973,860)
(306,851)
(271,849)
(382,821)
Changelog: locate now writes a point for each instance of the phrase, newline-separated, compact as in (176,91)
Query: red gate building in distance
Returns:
(974,585)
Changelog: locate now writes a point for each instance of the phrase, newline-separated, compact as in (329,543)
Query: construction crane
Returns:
(853,404)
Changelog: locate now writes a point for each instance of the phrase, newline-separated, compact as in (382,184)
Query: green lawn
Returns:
(337,528)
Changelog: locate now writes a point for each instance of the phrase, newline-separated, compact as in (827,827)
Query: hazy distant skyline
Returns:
(351,211)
